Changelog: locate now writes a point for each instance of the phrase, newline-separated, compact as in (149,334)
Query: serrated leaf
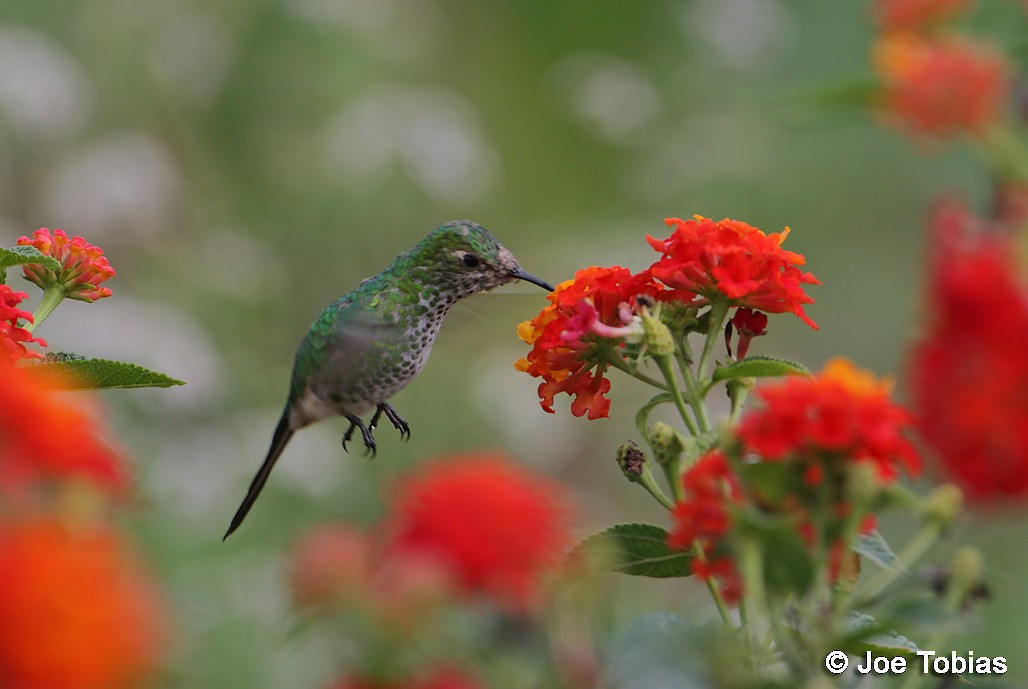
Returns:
(759,367)
(18,255)
(874,547)
(78,373)
(637,549)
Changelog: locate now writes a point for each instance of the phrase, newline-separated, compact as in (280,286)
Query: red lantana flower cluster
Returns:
(841,415)
(592,317)
(703,517)
(703,261)
(12,336)
(83,266)
(969,371)
(823,426)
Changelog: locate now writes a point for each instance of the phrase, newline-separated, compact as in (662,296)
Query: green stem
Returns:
(718,312)
(619,363)
(695,398)
(646,481)
(52,296)
(715,592)
(664,364)
(751,568)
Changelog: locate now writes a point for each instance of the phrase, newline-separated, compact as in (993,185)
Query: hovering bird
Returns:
(371,342)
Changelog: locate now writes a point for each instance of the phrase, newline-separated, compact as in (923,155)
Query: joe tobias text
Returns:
(952,664)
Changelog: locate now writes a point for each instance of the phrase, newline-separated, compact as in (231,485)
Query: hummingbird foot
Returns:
(394,418)
(369,440)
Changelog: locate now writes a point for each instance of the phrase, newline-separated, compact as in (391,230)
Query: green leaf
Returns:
(759,367)
(864,634)
(772,481)
(874,547)
(80,373)
(18,255)
(637,549)
(788,567)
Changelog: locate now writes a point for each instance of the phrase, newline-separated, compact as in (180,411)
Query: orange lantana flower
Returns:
(582,313)
(940,86)
(83,266)
(75,610)
(44,437)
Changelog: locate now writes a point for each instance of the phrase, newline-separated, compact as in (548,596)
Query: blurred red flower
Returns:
(969,371)
(75,610)
(439,678)
(12,336)
(841,414)
(44,437)
(583,316)
(704,261)
(940,86)
(915,15)
(83,266)
(703,516)
(495,525)
(329,564)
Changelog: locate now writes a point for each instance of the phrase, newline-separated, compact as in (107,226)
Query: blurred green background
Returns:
(244,163)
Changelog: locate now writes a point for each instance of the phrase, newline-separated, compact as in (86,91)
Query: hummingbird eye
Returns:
(470,261)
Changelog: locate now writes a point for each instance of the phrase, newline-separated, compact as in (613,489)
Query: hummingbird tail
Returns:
(278,443)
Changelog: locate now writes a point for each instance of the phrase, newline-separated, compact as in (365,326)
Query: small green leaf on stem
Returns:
(872,546)
(759,367)
(19,255)
(637,549)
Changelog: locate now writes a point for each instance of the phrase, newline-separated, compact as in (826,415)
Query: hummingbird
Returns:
(370,343)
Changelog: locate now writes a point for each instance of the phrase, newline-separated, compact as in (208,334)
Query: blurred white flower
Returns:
(610,95)
(752,35)
(43,91)
(192,54)
(400,31)
(432,134)
(125,182)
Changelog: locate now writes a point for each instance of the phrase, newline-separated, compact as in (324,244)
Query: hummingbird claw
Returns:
(398,422)
(369,440)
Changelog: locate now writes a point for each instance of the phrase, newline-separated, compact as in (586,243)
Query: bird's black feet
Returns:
(394,418)
(355,423)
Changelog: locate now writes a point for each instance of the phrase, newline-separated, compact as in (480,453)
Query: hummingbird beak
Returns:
(528,277)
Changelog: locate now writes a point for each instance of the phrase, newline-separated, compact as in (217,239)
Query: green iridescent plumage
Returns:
(368,344)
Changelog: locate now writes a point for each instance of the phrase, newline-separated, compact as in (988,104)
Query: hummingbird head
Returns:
(469,256)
